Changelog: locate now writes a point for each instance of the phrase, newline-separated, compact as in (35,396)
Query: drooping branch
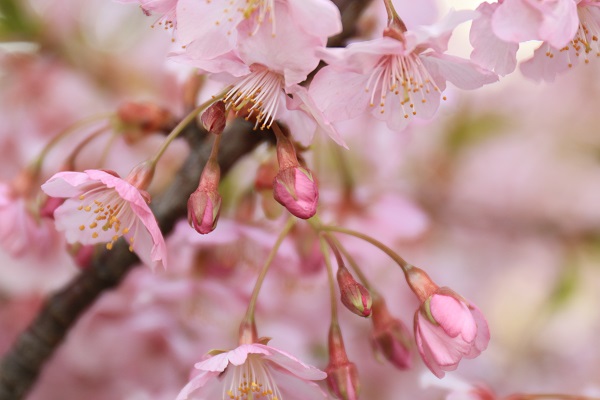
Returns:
(22,364)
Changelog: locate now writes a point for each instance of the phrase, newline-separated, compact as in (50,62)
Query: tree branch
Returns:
(21,366)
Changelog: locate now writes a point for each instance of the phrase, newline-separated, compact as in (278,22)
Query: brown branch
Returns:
(22,364)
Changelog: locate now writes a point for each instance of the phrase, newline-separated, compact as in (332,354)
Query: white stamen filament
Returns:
(262,89)
(251,381)
(402,75)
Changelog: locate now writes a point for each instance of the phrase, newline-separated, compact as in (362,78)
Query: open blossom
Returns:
(264,72)
(447,328)
(210,28)
(568,29)
(396,77)
(248,373)
(21,232)
(101,207)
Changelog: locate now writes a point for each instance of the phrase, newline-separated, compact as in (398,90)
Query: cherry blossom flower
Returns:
(20,228)
(549,60)
(395,77)
(489,50)
(101,207)
(248,372)
(448,328)
(264,71)
(568,29)
(212,25)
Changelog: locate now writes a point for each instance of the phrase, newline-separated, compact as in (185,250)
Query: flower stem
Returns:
(331,278)
(394,21)
(183,123)
(249,317)
(361,276)
(399,260)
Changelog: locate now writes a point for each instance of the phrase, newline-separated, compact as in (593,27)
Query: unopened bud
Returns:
(296,189)
(141,119)
(354,296)
(141,175)
(204,208)
(390,338)
(204,205)
(420,283)
(214,118)
(342,375)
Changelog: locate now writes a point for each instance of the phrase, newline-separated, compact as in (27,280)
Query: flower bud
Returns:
(204,205)
(390,338)
(296,189)
(448,328)
(141,175)
(342,375)
(214,118)
(354,296)
(141,119)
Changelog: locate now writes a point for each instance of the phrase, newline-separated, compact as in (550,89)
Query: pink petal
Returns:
(458,71)
(489,51)
(66,184)
(436,36)
(516,21)
(327,24)
(453,316)
(292,365)
(196,382)
(483,333)
(542,68)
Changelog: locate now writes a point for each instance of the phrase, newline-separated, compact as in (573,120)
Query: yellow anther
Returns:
(88,208)
(109,246)
(81,197)
(95,235)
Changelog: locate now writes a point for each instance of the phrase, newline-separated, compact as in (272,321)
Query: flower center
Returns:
(404,76)
(259,92)
(585,40)
(107,211)
(251,381)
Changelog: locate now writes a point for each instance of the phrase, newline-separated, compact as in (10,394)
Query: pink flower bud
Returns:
(141,119)
(214,118)
(204,205)
(390,338)
(342,375)
(296,189)
(141,175)
(354,296)
(448,328)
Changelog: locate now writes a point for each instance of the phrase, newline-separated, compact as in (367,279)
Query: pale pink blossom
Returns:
(489,50)
(448,328)
(395,79)
(101,207)
(549,60)
(210,28)
(264,72)
(552,21)
(22,232)
(246,372)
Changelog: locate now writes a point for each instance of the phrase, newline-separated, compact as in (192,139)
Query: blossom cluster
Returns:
(333,91)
